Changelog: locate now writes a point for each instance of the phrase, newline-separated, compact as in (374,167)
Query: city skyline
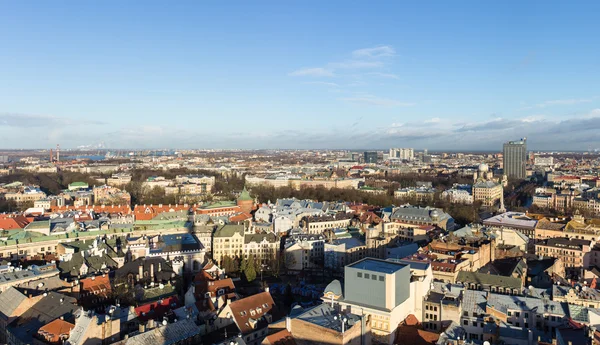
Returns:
(310,76)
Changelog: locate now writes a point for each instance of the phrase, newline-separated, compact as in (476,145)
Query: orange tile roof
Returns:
(99,285)
(147,212)
(411,332)
(53,331)
(282,337)
(13,222)
(240,217)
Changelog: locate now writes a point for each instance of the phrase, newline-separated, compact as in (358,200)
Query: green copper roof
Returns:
(218,204)
(244,195)
(78,184)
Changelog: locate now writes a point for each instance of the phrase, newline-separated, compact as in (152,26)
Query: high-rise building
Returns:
(406,154)
(515,158)
(370,157)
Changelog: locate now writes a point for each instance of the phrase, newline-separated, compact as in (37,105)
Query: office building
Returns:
(370,157)
(515,158)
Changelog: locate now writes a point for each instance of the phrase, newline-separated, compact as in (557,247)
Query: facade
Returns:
(512,220)
(515,159)
(574,253)
(370,157)
(323,325)
(228,240)
(385,292)
(405,154)
(422,216)
(304,252)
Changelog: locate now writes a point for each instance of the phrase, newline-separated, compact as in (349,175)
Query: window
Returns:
(359,274)
(381,278)
(465,322)
(373,277)
(517,314)
(509,313)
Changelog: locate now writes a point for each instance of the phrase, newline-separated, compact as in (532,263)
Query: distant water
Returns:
(90,157)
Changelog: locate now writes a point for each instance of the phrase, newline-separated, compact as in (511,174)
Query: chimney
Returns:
(288,324)
(142,328)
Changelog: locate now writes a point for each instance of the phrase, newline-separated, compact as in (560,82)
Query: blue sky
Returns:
(309,74)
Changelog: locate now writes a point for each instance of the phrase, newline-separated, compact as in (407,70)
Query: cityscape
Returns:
(295,173)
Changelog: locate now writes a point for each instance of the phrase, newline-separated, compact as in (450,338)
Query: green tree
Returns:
(250,269)
(230,265)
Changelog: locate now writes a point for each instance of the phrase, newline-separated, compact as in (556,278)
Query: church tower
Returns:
(245,201)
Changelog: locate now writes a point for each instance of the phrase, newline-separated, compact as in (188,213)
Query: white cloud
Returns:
(433,120)
(375,52)
(384,75)
(356,64)
(322,83)
(378,101)
(593,113)
(558,102)
(312,72)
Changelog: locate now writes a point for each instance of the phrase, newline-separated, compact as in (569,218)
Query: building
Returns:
(252,316)
(385,292)
(370,157)
(303,252)
(540,161)
(459,194)
(322,324)
(512,220)
(228,240)
(514,155)
(50,307)
(405,154)
(574,253)
(485,188)
(422,216)
(182,332)
(419,194)
(12,304)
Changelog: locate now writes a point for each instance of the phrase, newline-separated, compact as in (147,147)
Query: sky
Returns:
(441,75)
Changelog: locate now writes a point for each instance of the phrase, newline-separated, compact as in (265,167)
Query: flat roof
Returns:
(381,266)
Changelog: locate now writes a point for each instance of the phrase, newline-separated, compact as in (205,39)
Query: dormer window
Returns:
(252,312)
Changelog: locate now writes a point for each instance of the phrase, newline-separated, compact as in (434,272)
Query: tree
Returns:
(230,265)
(250,270)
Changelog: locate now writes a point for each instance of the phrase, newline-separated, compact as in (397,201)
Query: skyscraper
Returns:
(515,158)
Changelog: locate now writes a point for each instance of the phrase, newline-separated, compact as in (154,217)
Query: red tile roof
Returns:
(123,209)
(156,310)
